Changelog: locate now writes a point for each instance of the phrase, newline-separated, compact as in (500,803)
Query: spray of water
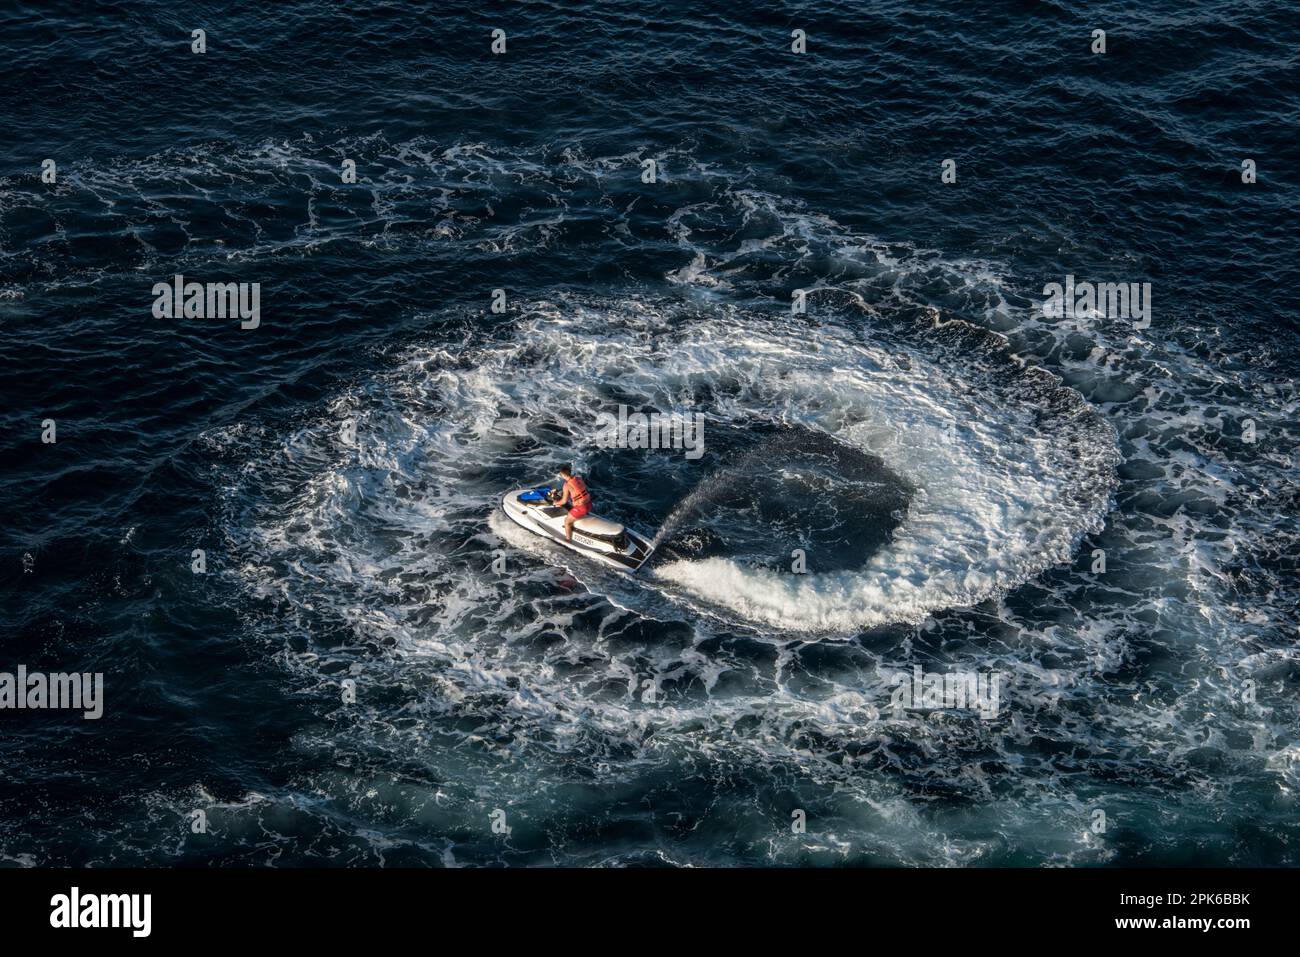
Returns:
(691,504)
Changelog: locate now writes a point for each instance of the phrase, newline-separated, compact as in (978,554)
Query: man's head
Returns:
(566,472)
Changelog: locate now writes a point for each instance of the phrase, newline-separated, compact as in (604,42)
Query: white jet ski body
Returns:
(599,539)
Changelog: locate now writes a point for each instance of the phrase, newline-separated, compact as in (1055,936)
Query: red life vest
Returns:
(577,489)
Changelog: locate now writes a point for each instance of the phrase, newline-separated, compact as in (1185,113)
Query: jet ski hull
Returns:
(627,550)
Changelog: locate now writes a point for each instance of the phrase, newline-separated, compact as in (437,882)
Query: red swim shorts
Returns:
(580,511)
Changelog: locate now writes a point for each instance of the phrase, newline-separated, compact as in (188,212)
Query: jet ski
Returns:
(600,539)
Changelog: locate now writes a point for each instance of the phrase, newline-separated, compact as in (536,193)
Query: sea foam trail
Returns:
(1007,468)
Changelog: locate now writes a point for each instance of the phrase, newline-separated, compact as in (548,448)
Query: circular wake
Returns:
(988,472)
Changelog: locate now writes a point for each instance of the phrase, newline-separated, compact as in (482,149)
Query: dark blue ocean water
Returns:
(949,460)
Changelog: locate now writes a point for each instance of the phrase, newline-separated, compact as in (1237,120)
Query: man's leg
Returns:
(568,528)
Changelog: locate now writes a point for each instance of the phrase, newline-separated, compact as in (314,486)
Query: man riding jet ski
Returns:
(564,516)
(574,494)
